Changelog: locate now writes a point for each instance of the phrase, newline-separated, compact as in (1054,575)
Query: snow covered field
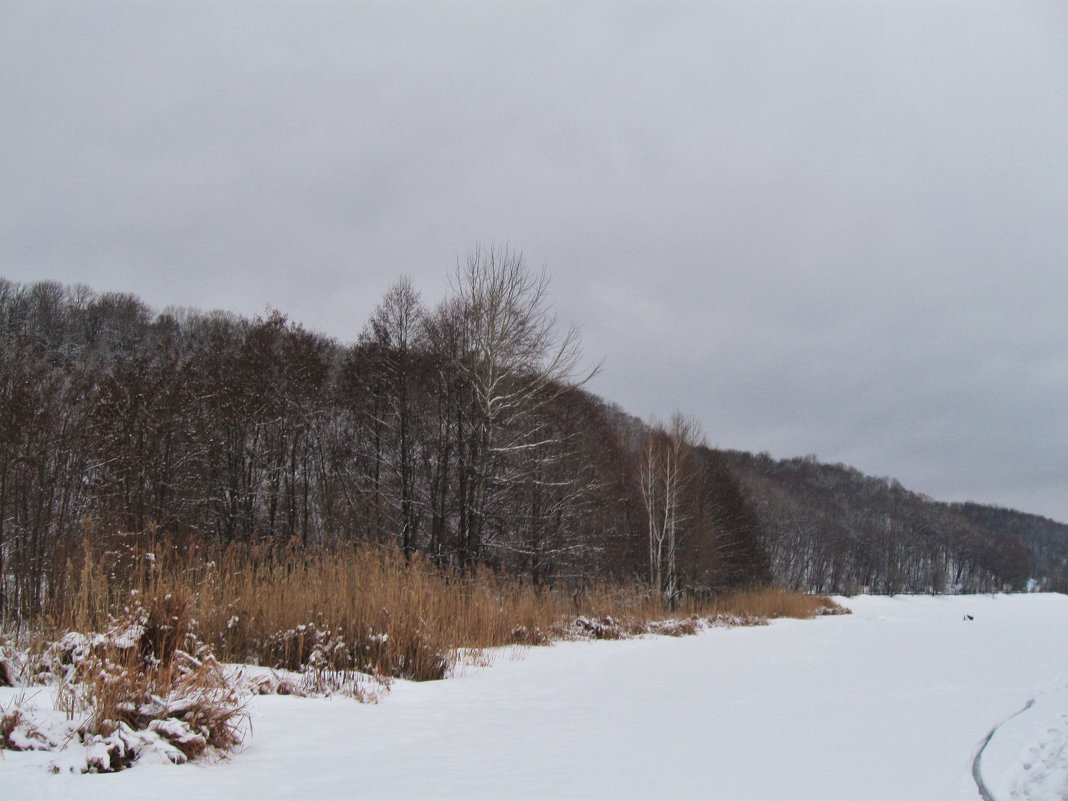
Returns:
(892,702)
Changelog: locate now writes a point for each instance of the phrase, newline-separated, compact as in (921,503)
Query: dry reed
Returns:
(365,608)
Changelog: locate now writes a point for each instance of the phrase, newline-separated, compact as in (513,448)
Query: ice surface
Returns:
(892,702)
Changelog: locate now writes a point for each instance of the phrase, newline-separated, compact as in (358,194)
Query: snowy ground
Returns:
(892,702)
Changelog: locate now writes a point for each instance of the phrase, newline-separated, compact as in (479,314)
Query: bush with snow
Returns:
(15,665)
(145,687)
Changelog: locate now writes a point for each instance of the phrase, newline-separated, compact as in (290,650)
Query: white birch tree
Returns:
(667,472)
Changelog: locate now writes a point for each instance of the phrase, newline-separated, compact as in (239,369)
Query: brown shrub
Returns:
(364,608)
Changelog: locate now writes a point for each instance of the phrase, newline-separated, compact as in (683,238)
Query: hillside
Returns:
(1046,540)
(832,528)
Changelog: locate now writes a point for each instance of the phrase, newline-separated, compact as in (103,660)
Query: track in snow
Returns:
(1025,756)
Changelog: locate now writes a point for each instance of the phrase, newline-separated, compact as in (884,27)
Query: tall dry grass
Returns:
(771,603)
(360,607)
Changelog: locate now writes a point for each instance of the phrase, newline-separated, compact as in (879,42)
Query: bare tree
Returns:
(515,360)
(667,474)
(393,334)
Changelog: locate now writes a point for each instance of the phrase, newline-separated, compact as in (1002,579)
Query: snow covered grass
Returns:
(11,662)
(891,703)
(146,685)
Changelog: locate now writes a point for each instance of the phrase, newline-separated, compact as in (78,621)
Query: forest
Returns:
(460,432)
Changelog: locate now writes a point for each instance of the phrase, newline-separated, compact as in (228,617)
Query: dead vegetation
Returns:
(9,669)
(770,604)
(146,684)
(363,608)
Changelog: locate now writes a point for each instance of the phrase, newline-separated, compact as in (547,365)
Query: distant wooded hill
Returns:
(830,528)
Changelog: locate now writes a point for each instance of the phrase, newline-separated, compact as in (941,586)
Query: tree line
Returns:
(460,431)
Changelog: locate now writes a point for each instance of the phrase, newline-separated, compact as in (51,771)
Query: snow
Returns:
(1027,756)
(892,702)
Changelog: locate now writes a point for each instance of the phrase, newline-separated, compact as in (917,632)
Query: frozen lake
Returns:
(891,702)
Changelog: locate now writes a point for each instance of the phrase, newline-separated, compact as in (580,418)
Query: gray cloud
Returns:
(831,228)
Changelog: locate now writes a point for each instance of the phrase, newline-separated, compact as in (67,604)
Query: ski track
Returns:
(1025,756)
(977,772)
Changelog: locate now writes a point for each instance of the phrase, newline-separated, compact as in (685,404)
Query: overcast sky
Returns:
(827,228)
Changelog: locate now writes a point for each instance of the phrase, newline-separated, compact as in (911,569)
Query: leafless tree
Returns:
(667,473)
(514,361)
(393,335)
